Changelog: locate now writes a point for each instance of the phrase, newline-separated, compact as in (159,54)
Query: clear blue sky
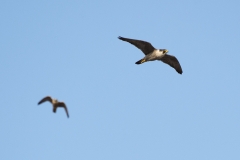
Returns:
(119,110)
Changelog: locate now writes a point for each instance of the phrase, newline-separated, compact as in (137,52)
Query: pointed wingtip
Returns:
(119,37)
(180,72)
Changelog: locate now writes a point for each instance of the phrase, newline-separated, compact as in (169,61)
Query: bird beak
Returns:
(166,51)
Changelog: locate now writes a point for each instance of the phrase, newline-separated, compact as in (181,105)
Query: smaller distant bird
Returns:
(55,104)
(152,53)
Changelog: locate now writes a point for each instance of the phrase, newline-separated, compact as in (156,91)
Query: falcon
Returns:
(55,104)
(152,53)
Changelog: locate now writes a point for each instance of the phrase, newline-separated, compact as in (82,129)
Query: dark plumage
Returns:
(152,53)
(55,104)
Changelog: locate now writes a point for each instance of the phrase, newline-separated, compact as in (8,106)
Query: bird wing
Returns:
(144,46)
(62,104)
(48,98)
(173,62)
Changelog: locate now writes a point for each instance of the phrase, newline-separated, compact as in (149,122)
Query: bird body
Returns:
(156,54)
(55,104)
(152,54)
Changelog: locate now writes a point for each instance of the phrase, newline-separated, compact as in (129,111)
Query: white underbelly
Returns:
(156,55)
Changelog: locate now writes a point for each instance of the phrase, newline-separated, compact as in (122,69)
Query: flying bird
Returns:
(152,53)
(55,104)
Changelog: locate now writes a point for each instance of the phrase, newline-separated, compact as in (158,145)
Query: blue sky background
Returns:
(118,110)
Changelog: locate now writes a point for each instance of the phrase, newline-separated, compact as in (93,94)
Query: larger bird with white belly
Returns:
(152,53)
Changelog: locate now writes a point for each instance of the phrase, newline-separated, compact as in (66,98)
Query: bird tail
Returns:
(140,61)
(54,109)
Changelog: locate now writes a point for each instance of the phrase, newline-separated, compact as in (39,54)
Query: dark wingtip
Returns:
(39,102)
(119,37)
(180,72)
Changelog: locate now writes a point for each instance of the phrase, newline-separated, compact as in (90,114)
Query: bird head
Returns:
(164,51)
(55,100)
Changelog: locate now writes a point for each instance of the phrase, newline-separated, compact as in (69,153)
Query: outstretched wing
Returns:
(144,46)
(173,62)
(62,104)
(48,98)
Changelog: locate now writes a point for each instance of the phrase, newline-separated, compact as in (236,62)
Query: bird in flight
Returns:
(55,104)
(152,53)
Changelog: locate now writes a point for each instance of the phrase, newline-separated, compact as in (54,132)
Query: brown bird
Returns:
(55,104)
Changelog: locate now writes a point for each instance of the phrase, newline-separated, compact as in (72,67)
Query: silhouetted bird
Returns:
(55,104)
